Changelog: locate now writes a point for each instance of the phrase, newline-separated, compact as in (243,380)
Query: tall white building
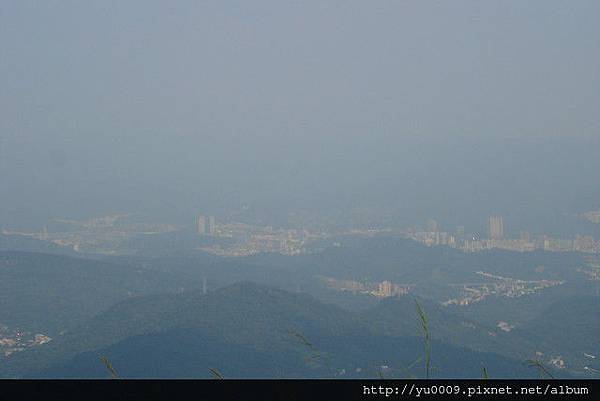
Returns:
(496,227)
(206,225)
(201,224)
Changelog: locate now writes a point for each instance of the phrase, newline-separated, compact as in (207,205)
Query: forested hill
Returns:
(278,333)
(54,293)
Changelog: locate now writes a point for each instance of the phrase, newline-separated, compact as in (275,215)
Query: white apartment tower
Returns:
(496,227)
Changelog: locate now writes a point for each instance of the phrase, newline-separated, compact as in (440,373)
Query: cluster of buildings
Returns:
(239,239)
(496,239)
(591,268)
(383,289)
(248,240)
(100,235)
(113,234)
(15,341)
(499,286)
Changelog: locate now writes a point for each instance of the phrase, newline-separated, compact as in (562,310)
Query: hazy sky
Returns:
(190,105)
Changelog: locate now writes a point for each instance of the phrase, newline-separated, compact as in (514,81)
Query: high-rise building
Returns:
(385,289)
(201,225)
(210,230)
(496,227)
(206,225)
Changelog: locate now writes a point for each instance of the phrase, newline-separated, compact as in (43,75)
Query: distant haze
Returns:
(453,110)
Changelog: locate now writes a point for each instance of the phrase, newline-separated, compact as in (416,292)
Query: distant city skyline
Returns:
(105,234)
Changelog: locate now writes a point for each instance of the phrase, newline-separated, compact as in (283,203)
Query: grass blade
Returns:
(109,367)
(216,374)
(426,338)
(536,363)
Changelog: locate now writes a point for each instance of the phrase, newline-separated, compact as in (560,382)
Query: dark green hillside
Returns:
(405,261)
(570,328)
(573,321)
(189,353)
(217,270)
(103,303)
(51,293)
(434,272)
(242,313)
(398,317)
(244,330)
(181,353)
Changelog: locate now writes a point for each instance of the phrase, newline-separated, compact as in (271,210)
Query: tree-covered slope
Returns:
(53,293)
(244,330)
